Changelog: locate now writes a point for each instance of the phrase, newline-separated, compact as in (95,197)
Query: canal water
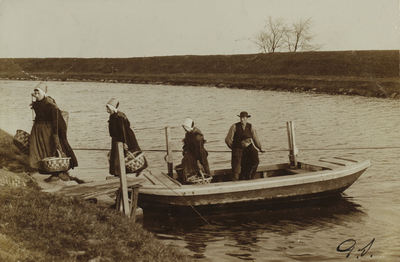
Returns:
(365,221)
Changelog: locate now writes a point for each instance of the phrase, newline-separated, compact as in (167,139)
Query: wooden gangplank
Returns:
(98,188)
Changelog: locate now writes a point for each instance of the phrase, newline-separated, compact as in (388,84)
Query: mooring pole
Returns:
(169,151)
(292,145)
(122,179)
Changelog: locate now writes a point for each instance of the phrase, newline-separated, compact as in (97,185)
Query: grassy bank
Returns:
(40,226)
(365,73)
(48,227)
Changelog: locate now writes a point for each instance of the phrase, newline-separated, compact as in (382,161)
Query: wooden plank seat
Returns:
(311,165)
(336,161)
(350,158)
(298,171)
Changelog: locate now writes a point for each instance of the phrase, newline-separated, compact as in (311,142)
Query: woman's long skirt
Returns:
(41,143)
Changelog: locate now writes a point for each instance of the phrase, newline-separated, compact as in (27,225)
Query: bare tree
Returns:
(261,40)
(298,37)
(270,39)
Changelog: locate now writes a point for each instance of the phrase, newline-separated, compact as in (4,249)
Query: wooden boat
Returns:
(281,183)
(278,183)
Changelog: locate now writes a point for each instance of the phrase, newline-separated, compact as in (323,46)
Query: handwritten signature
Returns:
(352,244)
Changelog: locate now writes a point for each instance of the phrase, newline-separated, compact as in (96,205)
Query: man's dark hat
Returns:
(244,114)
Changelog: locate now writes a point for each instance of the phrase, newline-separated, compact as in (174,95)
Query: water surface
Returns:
(367,127)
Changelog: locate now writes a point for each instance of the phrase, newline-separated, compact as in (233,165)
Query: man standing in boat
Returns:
(238,133)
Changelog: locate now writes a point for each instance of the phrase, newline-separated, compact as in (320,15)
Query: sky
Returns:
(144,28)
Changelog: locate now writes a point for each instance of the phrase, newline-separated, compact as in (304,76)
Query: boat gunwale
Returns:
(256,184)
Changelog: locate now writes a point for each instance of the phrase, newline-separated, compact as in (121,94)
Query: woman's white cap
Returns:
(188,124)
(41,86)
(113,102)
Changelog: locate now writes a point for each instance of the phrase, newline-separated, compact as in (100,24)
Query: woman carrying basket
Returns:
(194,154)
(49,133)
(120,131)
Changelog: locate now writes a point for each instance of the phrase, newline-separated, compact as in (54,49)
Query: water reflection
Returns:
(250,232)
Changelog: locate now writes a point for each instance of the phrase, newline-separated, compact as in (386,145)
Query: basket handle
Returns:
(59,153)
(130,154)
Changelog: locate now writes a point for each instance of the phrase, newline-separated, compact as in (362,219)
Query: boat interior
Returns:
(284,169)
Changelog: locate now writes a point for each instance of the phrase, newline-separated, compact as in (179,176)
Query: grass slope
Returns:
(40,226)
(365,73)
(340,63)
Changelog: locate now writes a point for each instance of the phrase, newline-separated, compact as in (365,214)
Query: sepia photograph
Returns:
(199,130)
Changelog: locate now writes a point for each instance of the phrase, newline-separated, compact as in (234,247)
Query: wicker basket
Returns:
(134,161)
(195,180)
(55,164)
(21,141)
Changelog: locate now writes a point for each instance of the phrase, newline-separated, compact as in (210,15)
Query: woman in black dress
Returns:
(49,132)
(120,131)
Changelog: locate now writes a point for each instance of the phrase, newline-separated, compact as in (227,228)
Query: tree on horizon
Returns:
(298,37)
(278,36)
(270,39)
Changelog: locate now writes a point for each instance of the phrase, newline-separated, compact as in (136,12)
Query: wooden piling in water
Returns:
(122,179)
(169,151)
(292,145)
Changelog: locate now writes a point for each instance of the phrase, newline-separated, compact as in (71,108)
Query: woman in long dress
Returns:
(194,154)
(49,132)
(120,131)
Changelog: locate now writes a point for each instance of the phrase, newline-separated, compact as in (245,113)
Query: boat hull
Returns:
(271,190)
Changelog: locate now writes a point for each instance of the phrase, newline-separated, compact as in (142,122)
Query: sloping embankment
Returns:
(365,73)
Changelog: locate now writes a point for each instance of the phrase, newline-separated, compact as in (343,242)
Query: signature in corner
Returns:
(352,244)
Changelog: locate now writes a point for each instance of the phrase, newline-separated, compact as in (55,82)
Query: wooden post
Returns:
(134,199)
(169,151)
(122,179)
(292,145)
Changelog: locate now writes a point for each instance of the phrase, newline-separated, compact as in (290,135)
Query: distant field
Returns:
(369,73)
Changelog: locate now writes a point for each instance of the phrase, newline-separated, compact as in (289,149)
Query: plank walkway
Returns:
(99,188)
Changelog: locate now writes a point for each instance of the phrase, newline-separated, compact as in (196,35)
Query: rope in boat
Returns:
(181,197)
(267,151)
